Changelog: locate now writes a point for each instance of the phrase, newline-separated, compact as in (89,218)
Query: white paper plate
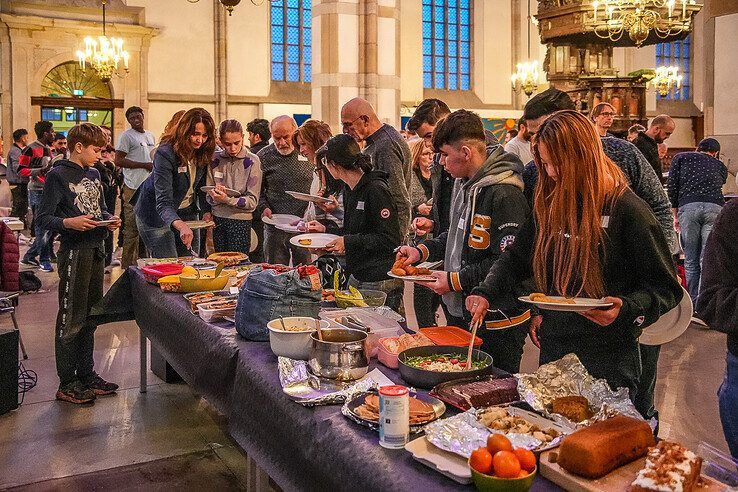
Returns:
(580,304)
(289,228)
(229,191)
(198,224)
(104,223)
(306,197)
(413,278)
(280,219)
(317,240)
(453,466)
(669,326)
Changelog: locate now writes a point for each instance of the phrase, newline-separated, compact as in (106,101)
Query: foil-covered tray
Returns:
(310,390)
(463,433)
(568,377)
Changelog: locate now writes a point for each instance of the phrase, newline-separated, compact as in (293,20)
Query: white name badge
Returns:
(182,169)
(605,221)
(360,206)
(218,174)
(302,158)
(462,224)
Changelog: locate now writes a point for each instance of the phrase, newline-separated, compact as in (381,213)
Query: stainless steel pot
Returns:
(340,355)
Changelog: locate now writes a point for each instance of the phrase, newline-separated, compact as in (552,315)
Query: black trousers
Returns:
(425,303)
(19,194)
(643,400)
(80,287)
(232,235)
(505,346)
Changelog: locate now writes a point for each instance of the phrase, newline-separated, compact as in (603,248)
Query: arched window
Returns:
(68,80)
(447,44)
(291,40)
(677,53)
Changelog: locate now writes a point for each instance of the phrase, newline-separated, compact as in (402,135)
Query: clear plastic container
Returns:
(718,465)
(208,313)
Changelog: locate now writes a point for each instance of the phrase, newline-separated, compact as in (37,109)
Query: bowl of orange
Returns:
(498,467)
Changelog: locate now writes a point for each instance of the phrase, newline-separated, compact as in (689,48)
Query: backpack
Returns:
(28,281)
(331,269)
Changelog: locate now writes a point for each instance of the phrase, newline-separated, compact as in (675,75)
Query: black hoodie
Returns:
(371,228)
(72,190)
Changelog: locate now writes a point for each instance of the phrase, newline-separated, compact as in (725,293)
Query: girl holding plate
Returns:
(589,236)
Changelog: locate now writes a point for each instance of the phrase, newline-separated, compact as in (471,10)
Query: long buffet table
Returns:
(299,448)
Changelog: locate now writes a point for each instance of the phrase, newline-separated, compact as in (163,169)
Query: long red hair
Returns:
(568,210)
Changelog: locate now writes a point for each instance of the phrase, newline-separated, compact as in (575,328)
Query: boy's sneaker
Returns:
(45,266)
(75,392)
(29,262)
(99,386)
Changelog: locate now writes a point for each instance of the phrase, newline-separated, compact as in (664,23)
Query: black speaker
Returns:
(8,371)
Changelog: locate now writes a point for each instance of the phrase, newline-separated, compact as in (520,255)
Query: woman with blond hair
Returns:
(425,301)
(589,236)
(308,139)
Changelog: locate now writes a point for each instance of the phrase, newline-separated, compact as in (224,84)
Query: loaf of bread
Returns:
(595,451)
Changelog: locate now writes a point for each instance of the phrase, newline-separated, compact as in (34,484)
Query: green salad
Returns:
(444,363)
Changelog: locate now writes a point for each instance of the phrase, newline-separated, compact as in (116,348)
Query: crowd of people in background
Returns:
(562,207)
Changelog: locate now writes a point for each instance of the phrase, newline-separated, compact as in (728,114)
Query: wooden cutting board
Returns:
(618,480)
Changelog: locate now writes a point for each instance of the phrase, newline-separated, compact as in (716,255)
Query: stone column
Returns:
(356,53)
(221,62)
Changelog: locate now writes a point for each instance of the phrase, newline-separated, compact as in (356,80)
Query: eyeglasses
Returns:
(350,123)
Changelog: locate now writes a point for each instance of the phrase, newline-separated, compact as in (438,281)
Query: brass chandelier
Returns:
(228,4)
(104,55)
(611,19)
(666,80)
(527,73)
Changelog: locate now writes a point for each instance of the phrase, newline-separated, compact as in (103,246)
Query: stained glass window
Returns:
(447,44)
(677,53)
(291,40)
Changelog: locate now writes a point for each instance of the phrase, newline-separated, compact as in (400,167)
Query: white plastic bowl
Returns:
(293,344)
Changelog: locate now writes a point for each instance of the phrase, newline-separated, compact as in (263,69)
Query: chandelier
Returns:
(667,79)
(104,55)
(229,4)
(526,77)
(527,74)
(610,19)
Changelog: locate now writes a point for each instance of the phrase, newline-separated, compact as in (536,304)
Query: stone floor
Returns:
(169,438)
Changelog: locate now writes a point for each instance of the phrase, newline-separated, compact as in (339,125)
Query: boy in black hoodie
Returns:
(73,205)
(487,207)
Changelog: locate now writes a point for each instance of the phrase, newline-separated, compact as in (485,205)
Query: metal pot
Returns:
(340,355)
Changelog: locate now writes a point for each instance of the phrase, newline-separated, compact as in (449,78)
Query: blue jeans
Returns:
(41,245)
(728,396)
(696,220)
(164,242)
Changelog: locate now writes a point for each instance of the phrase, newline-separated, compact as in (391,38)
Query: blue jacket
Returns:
(157,199)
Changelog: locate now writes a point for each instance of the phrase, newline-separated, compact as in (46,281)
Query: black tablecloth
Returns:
(300,448)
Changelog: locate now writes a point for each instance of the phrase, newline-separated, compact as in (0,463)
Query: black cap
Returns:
(708,145)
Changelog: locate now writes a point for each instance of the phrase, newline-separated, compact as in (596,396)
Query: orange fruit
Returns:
(481,461)
(527,459)
(506,464)
(523,474)
(498,442)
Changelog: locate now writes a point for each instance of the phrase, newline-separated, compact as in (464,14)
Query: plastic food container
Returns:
(370,298)
(385,356)
(208,313)
(153,273)
(450,335)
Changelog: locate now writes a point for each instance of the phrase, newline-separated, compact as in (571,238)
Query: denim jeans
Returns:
(164,242)
(728,396)
(277,248)
(696,220)
(42,246)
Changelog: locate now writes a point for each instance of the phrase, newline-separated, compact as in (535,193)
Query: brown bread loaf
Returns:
(597,450)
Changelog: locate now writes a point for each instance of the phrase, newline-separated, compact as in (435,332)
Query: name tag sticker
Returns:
(605,221)
(360,206)
(182,169)
(218,174)
(462,224)
(302,158)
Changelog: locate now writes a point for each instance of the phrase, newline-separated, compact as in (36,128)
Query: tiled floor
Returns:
(170,438)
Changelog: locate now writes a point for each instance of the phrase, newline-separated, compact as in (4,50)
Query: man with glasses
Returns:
(388,150)
(602,115)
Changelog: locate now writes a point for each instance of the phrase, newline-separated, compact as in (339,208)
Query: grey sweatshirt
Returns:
(242,174)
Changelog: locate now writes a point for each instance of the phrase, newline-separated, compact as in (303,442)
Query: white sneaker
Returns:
(23,239)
